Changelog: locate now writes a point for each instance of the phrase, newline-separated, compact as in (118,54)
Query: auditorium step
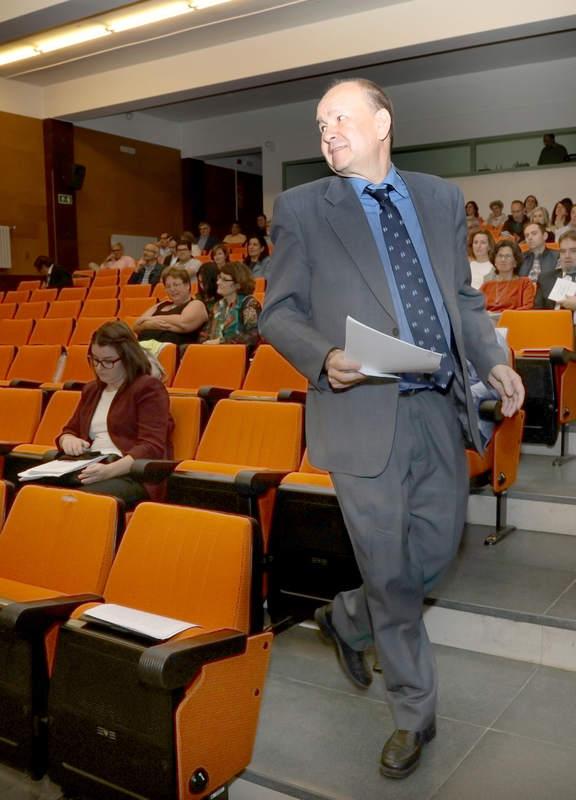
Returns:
(542,499)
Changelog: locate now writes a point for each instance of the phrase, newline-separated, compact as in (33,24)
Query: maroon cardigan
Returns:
(139,421)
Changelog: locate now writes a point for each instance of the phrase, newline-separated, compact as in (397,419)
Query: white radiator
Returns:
(5,249)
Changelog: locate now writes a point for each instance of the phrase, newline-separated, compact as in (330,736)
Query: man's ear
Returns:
(384,123)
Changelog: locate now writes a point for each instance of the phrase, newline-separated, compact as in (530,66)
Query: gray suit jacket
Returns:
(325,266)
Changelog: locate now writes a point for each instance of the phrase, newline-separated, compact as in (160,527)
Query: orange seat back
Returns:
(135,290)
(135,306)
(172,560)
(77,367)
(44,295)
(7,310)
(125,275)
(59,539)
(269,371)
(100,308)
(83,283)
(538,329)
(7,352)
(85,327)
(15,331)
(29,285)
(72,293)
(52,331)
(254,433)
(35,363)
(17,296)
(60,408)
(64,309)
(187,415)
(105,277)
(31,310)
(20,412)
(205,365)
(97,292)
(309,468)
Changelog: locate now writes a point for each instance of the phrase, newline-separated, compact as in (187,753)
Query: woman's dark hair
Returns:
(474,206)
(533,196)
(518,257)
(118,335)
(241,274)
(263,244)
(178,273)
(491,244)
(567,205)
(207,277)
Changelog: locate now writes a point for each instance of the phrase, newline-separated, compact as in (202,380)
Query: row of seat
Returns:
(76,309)
(107,711)
(78,293)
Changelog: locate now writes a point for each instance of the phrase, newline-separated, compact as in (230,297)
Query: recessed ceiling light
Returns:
(71,38)
(17,54)
(138,18)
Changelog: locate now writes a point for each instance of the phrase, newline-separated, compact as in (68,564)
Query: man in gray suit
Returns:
(388,249)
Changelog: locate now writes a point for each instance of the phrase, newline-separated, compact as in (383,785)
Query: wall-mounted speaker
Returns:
(73,176)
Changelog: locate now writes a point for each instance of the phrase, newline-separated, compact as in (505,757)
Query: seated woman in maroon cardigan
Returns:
(125,412)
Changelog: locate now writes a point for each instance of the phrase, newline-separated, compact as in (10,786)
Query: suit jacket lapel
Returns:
(345,215)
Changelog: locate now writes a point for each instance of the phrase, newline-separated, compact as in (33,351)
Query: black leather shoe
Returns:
(353,662)
(401,753)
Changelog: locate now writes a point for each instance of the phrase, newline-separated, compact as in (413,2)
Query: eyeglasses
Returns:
(105,363)
(226,278)
(505,256)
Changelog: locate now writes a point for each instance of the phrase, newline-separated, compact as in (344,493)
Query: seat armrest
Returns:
(211,394)
(491,410)
(561,355)
(7,447)
(254,482)
(292,396)
(36,616)
(151,471)
(22,383)
(75,386)
(174,664)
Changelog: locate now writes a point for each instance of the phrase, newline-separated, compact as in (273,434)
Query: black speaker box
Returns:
(74,176)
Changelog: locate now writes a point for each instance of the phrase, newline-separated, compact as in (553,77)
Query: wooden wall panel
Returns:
(23,196)
(134,194)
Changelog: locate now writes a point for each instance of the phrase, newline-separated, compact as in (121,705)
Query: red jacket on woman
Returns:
(139,421)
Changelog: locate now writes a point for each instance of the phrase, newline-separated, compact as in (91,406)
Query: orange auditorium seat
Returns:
(52,331)
(17,296)
(97,292)
(47,295)
(7,310)
(31,310)
(135,306)
(125,275)
(216,370)
(29,285)
(7,352)
(15,331)
(99,308)
(34,364)
(271,377)
(135,290)
(72,293)
(67,309)
(81,283)
(85,327)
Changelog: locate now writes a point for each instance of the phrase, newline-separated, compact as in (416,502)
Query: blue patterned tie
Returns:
(414,292)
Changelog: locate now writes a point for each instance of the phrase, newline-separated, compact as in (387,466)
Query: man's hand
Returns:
(509,386)
(342,373)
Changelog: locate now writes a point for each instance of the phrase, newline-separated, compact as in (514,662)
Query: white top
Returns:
(479,271)
(101,441)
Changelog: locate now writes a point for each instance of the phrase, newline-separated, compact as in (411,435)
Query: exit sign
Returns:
(65,199)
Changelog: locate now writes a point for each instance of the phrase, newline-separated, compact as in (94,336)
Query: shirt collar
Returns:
(392,179)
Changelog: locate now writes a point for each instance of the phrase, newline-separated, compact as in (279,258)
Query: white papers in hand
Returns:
(133,621)
(57,468)
(563,287)
(382,356)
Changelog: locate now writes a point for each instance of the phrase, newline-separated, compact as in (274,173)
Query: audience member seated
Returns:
(185,259)
(507,289)
(538,258)
(117,259)
(55,276)
(541,215)
(516,221)
(172,258)
(552,152)
(207,291)
(530,203)
(177,319)
(189,238)
(149,269)
(205,239)
(496,218)
(235,316)
(473,218)
(262,227)
(573,218)
(125,412)
(235,236)
(258,258)
(481,252)
(566,269)
(163,245)
(561,217)
(220,255)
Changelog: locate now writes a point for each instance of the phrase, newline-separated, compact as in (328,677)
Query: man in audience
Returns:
(516,221)
(171,259)
(149,268)
(55,276)
(538,258)
(235,236)
(117,259)
(566,269)
(186,260)
(163,246)
(552,152)
(205,240)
